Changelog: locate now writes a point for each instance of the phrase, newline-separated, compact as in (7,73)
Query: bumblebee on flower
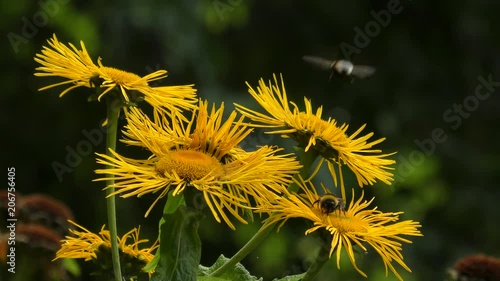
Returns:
(193,149)
(356,225)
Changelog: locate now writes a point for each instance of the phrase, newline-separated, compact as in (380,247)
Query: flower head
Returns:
(86,245)
(325,136)
(80,71)
(356,225)
(202,154)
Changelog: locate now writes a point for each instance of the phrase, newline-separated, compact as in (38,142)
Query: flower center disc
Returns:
(347,225)
(190,165)
(120,77)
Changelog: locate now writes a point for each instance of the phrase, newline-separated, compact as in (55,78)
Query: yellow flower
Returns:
(203,155)
(325,136)
(356,225)
(86,245)
(79,70)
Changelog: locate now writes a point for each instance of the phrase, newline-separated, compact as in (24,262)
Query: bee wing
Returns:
(321,63)
(362,71)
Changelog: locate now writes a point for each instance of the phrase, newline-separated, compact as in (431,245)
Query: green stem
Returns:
(113,112)
(245,250)
(306,161)
(321,258)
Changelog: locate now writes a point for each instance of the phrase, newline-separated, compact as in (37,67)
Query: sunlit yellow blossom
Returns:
(79,70)
(83,244)
(357,225)
(202,154)
(325,136)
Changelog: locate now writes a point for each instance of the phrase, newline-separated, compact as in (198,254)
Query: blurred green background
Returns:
(429,58)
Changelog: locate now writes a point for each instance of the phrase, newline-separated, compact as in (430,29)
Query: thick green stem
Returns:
(113,112)
(306,161)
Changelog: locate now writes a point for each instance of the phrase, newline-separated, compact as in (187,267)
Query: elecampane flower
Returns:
(357,225)
(325,136)
(83,244)
(202,154)
(78,68)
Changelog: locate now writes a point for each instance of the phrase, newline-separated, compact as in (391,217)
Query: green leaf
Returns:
(180,245)
(172,204)
(72,266)
(210,278)
(292,277)
(239,272)
(170,207)
(153,263)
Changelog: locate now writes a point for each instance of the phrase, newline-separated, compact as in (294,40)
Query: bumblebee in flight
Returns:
(342,68)
(328,203)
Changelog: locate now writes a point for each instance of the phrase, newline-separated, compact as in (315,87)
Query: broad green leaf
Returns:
(210,278)
(180,245)
(292,277)
(170,207)
(172,204)
(72,266)
(239,272)
(153,263)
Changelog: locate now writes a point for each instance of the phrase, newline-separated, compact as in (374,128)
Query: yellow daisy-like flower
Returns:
(356,225)
(325,136)
(86,245)
(79,70)
(202,154)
